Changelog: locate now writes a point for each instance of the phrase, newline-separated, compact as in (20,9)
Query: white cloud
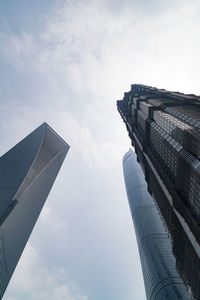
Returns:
(18,50)
(35,281)
(96,51)
(90,48)
(54,223)
(93,49)
(97,152)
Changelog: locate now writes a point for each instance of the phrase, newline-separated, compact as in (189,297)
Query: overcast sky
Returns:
(66,63)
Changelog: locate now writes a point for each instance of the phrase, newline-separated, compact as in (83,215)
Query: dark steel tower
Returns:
(162,282)
(165,130)
(27,173)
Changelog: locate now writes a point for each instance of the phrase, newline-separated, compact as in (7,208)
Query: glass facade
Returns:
(164,128)
(27,173)
(162,281)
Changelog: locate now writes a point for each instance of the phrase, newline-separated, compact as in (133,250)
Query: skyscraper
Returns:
(162,282)
(27,173)
(164,128)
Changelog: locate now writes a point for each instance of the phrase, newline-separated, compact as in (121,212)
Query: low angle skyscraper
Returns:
(161,279)
(27,173)
(164,128)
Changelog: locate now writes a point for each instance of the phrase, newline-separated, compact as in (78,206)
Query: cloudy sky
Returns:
(66,63)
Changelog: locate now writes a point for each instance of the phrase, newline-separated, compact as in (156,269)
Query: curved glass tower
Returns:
(162,282)
(27,173)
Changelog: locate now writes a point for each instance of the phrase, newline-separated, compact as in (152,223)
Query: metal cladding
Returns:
(165,130)
(27,173)
(162,281)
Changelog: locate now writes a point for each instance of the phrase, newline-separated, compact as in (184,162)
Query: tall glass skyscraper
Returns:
(162,282)
(164,128)
(27,173)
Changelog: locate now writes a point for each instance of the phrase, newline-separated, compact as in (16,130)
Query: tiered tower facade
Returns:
(165,130)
